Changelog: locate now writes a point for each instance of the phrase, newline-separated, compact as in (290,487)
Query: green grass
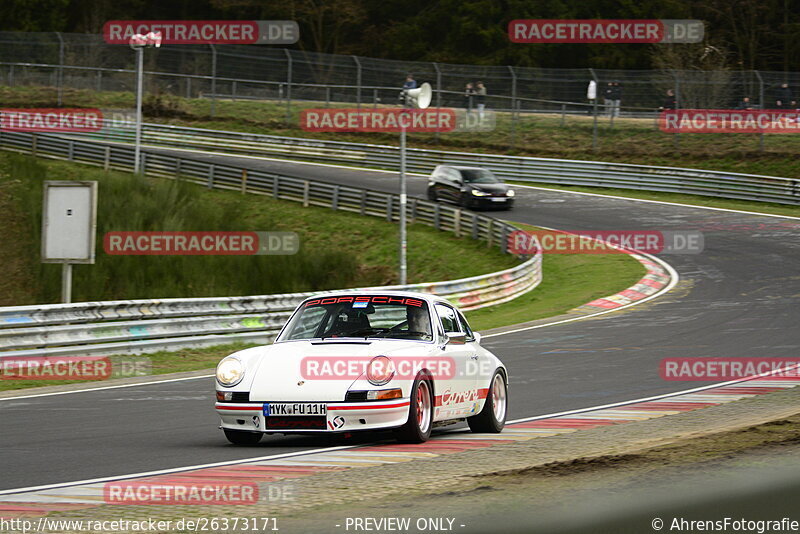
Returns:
(160,363)
(628,140)
(568,281)
(338,249)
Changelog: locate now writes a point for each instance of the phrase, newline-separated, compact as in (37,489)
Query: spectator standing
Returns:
(745,104)
(469,96)
(784,98)
(616,98)
(480,98)
(669,101)
(410,83)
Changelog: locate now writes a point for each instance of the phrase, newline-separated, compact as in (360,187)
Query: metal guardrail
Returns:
(753,187)
(148,325)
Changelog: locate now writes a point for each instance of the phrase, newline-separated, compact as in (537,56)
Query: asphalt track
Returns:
(738,298)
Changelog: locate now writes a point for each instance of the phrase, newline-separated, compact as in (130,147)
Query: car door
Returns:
(454,183)
(457,396)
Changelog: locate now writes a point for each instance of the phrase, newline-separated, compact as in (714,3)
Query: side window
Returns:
(448,318)
(465,326)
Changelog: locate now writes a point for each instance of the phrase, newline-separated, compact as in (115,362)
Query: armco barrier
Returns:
(148,325)
(525,169)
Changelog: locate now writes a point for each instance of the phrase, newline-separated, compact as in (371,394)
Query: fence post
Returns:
(563,113)
(437,222)
(490,232)
(210,182)
(188,87)
(306,189)
(288,86)
(594,110)
(233,90)
(474,224)
(762,105)
(60,76)
(11,76)
(513,88)
(244,181)
(327,96)
(276,186)
(213,78)
(99,80)
(107,158)
(358,82)
(438,92)
(676,137)
(457,223)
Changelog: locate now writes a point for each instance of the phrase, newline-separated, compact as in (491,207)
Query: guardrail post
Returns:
(306,188)
(276,186)
(413,210)
(504,239)
(107,158)
(475,229)
(213,78)
(437,216)
(457,222)
(363,206)
(335,199)
(210,183)
(288,86)
(144,164)
(490,232)
(389,208)
(244,181)
(34,139)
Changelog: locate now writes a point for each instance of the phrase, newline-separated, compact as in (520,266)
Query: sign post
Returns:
(69,225)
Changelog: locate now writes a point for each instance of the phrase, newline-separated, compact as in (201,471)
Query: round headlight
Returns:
(230,371)
(380,370)
(510,193)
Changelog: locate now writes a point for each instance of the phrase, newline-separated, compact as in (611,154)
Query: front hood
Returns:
(495,189)
(297,371)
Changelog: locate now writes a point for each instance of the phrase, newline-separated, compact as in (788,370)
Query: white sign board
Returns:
(69,222)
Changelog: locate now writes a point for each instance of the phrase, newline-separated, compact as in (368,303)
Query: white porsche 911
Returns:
(352,361)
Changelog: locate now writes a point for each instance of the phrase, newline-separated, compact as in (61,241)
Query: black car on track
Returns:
(470,187)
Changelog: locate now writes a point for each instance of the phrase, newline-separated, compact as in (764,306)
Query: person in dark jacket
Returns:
(469,96)
(745,104)
(784,98)
(669,101)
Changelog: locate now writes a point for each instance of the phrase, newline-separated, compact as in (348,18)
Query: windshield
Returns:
(479,176)
(364,316)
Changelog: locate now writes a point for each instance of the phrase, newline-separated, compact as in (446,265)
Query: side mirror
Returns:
(477,337)
(456,338)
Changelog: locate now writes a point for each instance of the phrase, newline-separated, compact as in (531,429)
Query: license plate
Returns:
(498,199)
(295,408)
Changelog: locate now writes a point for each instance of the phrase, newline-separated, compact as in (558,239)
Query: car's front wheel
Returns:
(420,413)
(240,437)
(492,418)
